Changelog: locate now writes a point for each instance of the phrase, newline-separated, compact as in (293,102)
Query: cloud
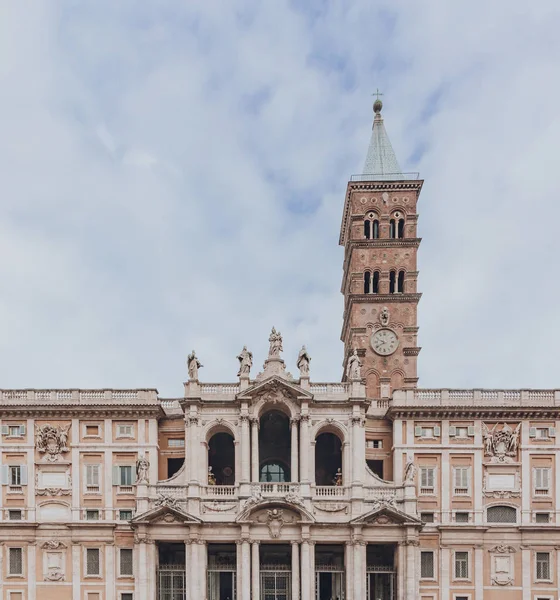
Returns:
(174,174)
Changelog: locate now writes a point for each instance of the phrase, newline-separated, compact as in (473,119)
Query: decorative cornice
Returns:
(412,351)
(84,411)
(473,412)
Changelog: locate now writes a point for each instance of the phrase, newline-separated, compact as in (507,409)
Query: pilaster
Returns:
(295,447)
(255,569)
(295,571)
(255,450)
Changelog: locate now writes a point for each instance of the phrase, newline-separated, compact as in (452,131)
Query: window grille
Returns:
(125,515)
(501,514)
(176,443)
(543,565)
(92,515)
(427,565)
(461,565)
(461,480)
(461,517)
(542,518)
(16,561)
(14,515)
(427,517)
(126,596)
(126,561)
(92,561)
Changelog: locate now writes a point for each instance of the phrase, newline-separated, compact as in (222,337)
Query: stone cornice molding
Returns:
(473,412)
(83,411)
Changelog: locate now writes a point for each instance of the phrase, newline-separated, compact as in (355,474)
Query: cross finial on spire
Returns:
(377,93)
(377,105)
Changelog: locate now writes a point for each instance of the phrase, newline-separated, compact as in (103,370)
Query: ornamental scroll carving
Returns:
(54,560)
(51,441)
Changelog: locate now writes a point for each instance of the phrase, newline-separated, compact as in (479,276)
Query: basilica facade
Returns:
(275,486)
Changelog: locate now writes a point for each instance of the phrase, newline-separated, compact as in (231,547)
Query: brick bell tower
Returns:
(379,281)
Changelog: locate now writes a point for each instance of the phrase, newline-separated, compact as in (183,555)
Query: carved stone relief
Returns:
(52,441)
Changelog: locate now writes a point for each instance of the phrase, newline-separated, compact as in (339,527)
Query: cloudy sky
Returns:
(172,176)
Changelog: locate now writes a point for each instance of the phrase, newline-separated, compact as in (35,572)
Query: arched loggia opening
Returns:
(274,447)
(221,459)
(328,459)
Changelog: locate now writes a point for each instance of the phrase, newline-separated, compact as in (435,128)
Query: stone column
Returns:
(445,572)
(295,571)
(188,570)
(255,570)
(349,570)
(360,569)
(245,448)
(295,453)
(202,568)
(305,448)
(246,566)
(239,563)
(526,571)
(77,573)
(142,578)
(32,572)
(255,450)
(312,570)
(358,450)
(195,571)
(479,572)
(401,568)
(411,578)
(305,583)
(111,558)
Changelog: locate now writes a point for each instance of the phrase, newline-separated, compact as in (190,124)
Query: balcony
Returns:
(330,491)
(219,491)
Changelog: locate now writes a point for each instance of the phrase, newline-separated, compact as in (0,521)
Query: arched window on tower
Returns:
(400,282)
(392,282)
(371,226)
(396,225)
(367,282)
(375,283)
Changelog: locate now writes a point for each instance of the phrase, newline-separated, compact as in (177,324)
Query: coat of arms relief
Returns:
(51,441)
(501,444)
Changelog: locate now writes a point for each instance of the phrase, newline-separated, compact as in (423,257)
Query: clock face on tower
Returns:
(384,342)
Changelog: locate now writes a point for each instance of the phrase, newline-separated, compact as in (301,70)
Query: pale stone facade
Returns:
(278,487)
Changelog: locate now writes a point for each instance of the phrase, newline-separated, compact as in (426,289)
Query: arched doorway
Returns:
(274,447)
(221,458)
(328,459)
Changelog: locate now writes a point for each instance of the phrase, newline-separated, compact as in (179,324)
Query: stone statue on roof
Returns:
(275,340)
(354,367)
(245,359)
(193,365)
(303,361)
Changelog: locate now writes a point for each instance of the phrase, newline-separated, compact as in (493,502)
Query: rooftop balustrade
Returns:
(475,398)
(78,396)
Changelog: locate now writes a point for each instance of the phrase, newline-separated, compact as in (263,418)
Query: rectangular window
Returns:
(176,443)
(93,563)
(125,475)
(542,517)
(541,478)
(15,430)
(461,517)
(462,432)
(15,475)
(461,565)
(543,566)
(92,430)
(461,477)
(14,515)
(427,517)
(126,596)
(125,515)
(125,431)
(427,480)
(92,477)
(427,565)
(126,562)
(542,433)
(92,515)
(16,561)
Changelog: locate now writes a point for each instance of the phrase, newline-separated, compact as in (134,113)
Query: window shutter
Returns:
(552,432)
(452,431)
(5,430)
(532,432)
(22,429)
(471,430)
(546,477)
(437,430)
(418,431)
(23,470)
(116,475)
(4,474)
(133,476)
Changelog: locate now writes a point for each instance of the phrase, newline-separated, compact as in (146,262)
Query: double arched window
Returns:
(371,226)
(396,282)
(396,225)
(371,282)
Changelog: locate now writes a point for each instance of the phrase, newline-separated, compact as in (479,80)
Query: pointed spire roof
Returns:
(381,162)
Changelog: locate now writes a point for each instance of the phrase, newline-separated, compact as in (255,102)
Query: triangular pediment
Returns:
(275,385)
(386,514)
(165,514)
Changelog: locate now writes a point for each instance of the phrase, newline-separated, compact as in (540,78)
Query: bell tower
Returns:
(379,279)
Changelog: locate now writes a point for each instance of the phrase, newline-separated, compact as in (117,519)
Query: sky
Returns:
(172,177)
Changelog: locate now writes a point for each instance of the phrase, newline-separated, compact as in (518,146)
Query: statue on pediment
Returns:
(275,340)
(303,361)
